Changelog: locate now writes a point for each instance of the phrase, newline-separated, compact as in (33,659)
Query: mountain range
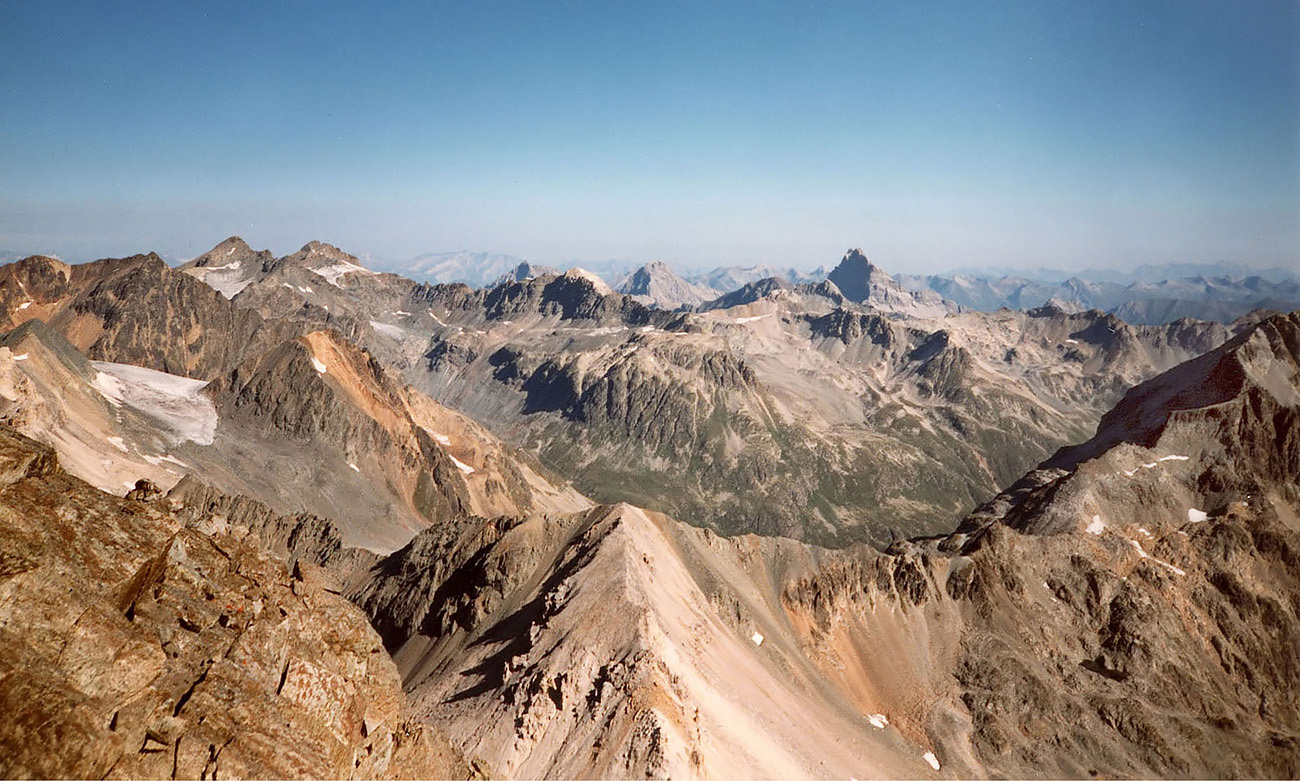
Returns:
(295,517)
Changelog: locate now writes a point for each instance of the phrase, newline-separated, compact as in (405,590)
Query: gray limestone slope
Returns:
(793,415)
(657,284)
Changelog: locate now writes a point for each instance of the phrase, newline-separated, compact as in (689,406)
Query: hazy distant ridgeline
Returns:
(1147,295)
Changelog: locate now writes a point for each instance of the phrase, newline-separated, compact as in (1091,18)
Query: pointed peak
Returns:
(856,259)
(228,250)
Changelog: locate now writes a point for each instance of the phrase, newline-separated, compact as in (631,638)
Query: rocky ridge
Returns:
(308,424)
(779,398)
(132,646)
(1160,643)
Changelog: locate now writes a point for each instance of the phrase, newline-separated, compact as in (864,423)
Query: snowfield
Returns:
(177,404)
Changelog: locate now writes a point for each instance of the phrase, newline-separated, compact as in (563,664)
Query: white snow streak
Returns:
(1137,546)
(354,467)
(931,759)
(1196,516)
(441,439)
(1097,526)
(320,365)
(392,331)
(461,465)
(878,720)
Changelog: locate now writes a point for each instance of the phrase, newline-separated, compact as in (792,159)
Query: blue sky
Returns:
(932,134)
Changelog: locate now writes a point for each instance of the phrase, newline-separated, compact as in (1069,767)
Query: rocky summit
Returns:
(295,517)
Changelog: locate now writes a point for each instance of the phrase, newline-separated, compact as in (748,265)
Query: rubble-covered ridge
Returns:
(132,646)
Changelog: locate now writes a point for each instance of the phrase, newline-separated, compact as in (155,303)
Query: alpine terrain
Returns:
(296,517)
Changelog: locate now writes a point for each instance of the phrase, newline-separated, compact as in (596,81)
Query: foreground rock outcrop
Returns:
(132,646)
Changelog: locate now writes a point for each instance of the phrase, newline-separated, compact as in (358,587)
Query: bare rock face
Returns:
(137,310)
(657,284)
(863,281)
(132,646)
(144,491)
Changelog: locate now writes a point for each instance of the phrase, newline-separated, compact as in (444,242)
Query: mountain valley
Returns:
(815,529)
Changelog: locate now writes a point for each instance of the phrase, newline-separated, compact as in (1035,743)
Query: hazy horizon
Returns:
(1008,134)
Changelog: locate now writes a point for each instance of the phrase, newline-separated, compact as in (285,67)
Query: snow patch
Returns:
(1071,341)
(160,460)
(332,274)
(24,304)
(878,720)
(1097,526)
(1173,458)
(353,467)
(461,465)
(751,318)
(177,404)
(757,638)
(392,331)
(118,443)
(20,357)
(1196,516)
(931,759)
(320,365)
(441,439)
